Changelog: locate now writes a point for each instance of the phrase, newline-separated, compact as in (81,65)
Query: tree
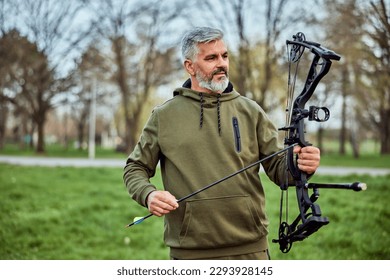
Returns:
(25,76)
(376,96)
(92,72)
(6,63)
(344,30)
(139,62)
(255,30)
(49,25)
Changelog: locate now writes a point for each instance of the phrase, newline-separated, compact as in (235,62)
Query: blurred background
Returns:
(66,64)
(79,78)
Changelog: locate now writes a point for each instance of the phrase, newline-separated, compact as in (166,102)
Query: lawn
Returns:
(329,157)
(80,213)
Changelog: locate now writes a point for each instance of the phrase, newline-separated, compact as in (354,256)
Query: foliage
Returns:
(69,213)
(25,78)
(45,25)
(360,32)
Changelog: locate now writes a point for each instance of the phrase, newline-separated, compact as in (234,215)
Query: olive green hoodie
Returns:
(198,139)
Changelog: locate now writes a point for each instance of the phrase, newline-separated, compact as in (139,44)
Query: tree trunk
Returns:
(3,123)
(80,134)
(39,117)
(385,131)
(118,47)
(343,129)
(355,145)
(320,138)
(41,134)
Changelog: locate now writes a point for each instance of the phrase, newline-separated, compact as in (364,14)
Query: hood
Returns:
(207,100)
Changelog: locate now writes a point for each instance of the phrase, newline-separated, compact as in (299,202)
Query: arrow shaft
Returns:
(218,181)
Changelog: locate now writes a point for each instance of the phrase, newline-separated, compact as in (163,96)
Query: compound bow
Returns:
(310,218)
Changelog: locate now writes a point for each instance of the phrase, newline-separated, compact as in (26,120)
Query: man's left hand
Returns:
(308,158)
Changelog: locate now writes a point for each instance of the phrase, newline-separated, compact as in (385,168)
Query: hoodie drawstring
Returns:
(201,110)
(218,112)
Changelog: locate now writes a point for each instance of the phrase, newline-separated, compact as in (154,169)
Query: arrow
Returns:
(138,220)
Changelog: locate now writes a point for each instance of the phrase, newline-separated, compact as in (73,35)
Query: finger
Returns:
(161,203)
(171,200)
(158,211)
(297,149)
(311,153)
(308,156)
(307,169)
(308,166)
(166,198)
(310,150)
(165,206)
(308,162)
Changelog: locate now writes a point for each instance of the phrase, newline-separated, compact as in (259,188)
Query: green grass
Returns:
(60,151)
(80,213)
(365,160)
(69,213)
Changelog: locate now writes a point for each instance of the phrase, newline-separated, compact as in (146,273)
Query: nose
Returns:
(223,61)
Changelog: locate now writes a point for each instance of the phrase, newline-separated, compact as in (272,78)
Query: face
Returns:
(209,71)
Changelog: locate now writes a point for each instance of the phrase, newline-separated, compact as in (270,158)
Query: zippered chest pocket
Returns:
(237,136)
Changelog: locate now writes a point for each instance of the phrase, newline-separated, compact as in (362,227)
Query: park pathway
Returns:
(120,163)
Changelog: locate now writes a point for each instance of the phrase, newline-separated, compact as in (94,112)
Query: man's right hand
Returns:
(161,203)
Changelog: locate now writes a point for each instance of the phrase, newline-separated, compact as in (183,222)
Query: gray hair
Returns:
(190,41)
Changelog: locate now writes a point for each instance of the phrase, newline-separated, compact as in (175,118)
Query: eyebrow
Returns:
(214,55)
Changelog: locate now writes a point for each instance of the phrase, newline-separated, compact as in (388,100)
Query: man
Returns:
(205,132)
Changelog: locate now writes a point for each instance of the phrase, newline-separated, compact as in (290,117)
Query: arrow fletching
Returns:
(138,220)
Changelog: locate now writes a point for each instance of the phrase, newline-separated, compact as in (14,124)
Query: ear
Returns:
(189,66)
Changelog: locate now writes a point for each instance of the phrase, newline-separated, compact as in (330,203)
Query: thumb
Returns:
(297,149)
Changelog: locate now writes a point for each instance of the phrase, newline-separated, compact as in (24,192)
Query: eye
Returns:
(211,57)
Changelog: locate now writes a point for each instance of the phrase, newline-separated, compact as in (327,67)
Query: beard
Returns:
(208,82)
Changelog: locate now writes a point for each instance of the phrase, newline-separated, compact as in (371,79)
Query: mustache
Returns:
(220,70)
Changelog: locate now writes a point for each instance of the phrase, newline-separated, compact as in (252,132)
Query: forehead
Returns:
(217,46)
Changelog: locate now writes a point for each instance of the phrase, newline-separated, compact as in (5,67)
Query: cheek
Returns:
(206,67)
(204,70)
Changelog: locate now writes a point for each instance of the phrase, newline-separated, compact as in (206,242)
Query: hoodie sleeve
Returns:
(141,163)
(269,143)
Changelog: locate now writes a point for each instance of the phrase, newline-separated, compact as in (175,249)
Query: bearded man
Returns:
(205,132)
